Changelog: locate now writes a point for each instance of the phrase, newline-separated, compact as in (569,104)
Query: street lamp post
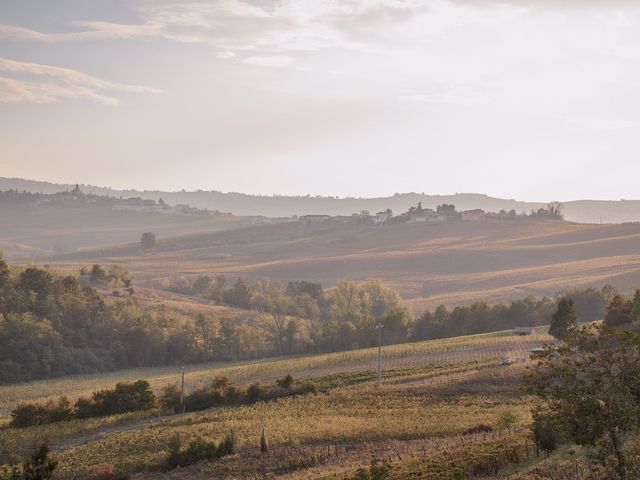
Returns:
(379,327)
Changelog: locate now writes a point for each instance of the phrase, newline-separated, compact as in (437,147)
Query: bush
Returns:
(228,444)
(202,399)
(39,466)
(198,450)
(125,397)
(255,392)
(108,472)
(481,428)
(378,470)
(10,472)
(222,392)
(546,434)
(304,389)
(170,398)
(506,420)
(285,382)
(29,414)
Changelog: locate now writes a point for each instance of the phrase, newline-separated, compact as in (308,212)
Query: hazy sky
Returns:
(528,99)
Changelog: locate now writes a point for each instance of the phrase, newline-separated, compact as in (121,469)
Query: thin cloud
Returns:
(57,83)
(289,25)
(225,54)
(269,60)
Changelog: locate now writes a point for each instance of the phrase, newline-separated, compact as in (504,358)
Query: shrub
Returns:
(255,392)
(60,411)
(125,397)
(481,428)
(108,472)
(378,470)
(10,472)
(546,433)
(202,399)
(304,389)
(219,392)
(39,466)
(198,450)
(170,398)
(285,382)
(506,420)
(29,414)
(228,444)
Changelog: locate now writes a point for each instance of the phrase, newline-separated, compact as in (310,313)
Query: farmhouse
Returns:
(473,215)
(427,216)
(381,217)
(524,331)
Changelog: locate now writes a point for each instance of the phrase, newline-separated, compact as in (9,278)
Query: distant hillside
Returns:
(450,263)
(583,211)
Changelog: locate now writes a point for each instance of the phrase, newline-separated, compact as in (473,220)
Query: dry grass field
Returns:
(28,232)
(451,263)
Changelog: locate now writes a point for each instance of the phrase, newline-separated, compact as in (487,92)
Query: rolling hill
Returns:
(585,211)
(450,263)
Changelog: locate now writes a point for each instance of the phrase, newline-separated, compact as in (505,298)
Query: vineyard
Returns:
(409,355)
(434,392)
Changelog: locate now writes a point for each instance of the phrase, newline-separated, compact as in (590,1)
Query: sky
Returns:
(526,99)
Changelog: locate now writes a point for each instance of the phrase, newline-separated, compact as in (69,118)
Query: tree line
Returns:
(53,325)
(137,396)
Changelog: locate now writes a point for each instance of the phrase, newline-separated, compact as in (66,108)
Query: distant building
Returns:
(315,218)
(536,353)
(381,217)
(473,215)
(427,216)
(524,331)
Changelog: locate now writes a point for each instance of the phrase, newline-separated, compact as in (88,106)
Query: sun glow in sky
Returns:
(535,100)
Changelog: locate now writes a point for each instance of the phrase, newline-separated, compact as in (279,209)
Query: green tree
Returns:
(278,306)
(591,386)
(635,306)
(36,280)
(147,241)
(39,466)
(563,319)
(239,295)
(4,271)
(618,312)
(97,273)
(546,433)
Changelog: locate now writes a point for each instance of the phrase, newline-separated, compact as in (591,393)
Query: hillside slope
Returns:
(429,264)
(27,232)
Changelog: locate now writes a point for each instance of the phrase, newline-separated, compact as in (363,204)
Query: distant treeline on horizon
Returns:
(585,211)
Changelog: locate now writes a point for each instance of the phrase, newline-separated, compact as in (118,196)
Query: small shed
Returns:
(524,331)
(536,352)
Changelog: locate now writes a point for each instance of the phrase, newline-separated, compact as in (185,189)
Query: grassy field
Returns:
(29,232)
(434,391)
(455,263)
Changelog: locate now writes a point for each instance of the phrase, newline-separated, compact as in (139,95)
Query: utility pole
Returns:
(379,328)
(182,391)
